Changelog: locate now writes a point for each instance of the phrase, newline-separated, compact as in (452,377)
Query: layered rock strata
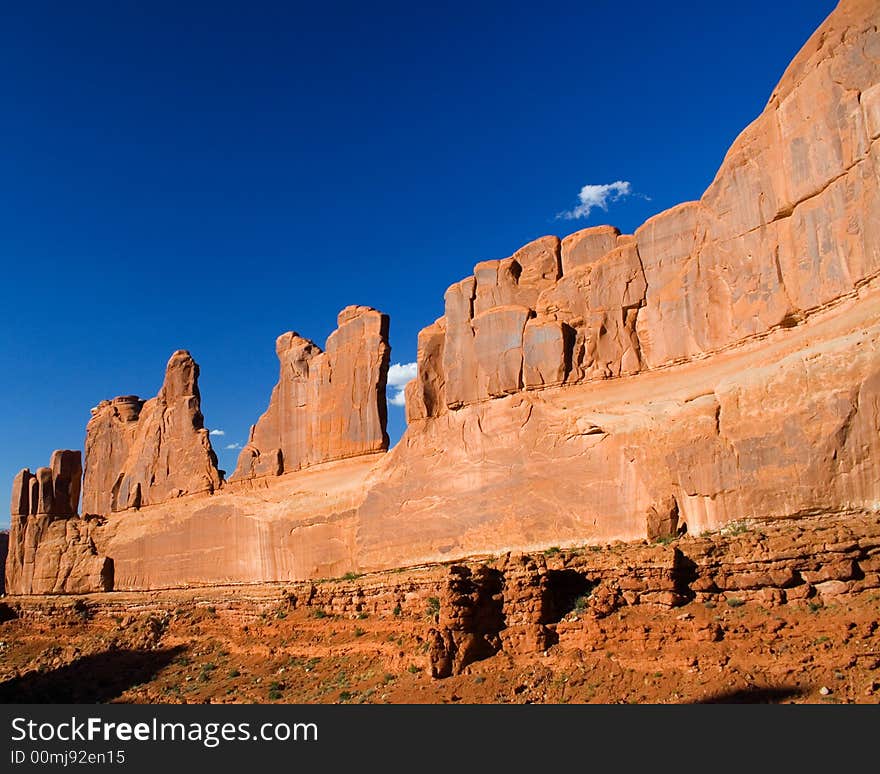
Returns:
(327,405)
(524,603)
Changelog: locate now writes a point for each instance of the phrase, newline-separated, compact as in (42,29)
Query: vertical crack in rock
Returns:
(470,620)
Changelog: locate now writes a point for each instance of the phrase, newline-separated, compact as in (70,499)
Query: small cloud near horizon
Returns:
(233,446)
(399,375)
(596,196)
(217,432)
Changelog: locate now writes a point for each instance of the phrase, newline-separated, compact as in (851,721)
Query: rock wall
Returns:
(721,364)
(553,313)
(141,453)
(789,225)
(50,548)
(327,405)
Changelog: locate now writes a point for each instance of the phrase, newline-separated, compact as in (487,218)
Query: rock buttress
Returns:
(146,452)
(50,547)
(327,405)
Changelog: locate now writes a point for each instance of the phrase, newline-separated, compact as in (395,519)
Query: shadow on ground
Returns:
(755,695)
(94,679)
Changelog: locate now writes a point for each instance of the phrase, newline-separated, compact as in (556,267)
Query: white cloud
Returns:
(592,196)
(398,399)
(218,432)
(401,373)
(233,446)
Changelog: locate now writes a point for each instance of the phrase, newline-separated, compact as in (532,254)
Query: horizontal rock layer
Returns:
(524,603)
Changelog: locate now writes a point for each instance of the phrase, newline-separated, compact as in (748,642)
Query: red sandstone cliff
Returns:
(790,225)
(721,363)
(50,548)
(327,405)
(146,452)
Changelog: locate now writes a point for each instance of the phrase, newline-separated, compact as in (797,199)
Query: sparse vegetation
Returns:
(735,602)
(433,606)
(358,632)
(350,576)
(552,551)
(319,612)
(397,611)
(413,669)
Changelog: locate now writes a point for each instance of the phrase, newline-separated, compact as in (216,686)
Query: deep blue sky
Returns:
(208,175)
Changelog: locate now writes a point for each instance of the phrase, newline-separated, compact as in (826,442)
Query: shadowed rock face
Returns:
(142,453)
(4,551)
(327,405)
(720,364)
(50,548)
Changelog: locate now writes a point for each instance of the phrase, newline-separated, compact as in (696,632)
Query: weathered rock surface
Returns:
(327,405)
(50,548)
(723,363)
(789,225)
(142,453)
